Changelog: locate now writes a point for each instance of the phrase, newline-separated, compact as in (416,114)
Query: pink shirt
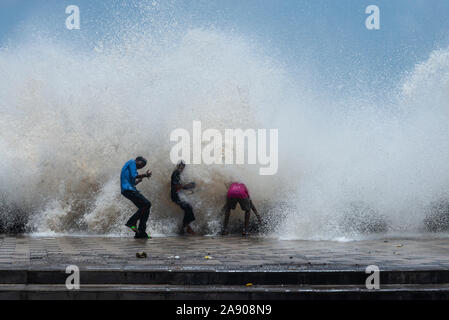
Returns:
(238,190)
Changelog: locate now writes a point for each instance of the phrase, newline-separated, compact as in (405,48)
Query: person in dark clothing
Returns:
(176,186)
(129,178)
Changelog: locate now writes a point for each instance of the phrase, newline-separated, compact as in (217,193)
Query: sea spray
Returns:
(73,120)
(72,115)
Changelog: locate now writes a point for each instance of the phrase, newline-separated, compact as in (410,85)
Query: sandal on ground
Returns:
(133,228)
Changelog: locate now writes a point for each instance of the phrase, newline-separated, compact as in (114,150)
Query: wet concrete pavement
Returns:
(233,252)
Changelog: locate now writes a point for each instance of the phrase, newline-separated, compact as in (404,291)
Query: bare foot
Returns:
(190,231)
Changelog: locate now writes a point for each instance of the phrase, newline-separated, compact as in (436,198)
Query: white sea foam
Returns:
(71,117)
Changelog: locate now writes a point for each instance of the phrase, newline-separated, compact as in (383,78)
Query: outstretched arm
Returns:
(227,212)
(138,180)
(189,186)
(255,211)
(145,175)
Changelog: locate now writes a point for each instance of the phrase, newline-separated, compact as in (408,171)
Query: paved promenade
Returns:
(222,253)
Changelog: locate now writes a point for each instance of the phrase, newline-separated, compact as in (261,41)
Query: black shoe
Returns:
(142,236)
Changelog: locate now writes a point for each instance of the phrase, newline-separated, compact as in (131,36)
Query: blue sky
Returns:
(328,35)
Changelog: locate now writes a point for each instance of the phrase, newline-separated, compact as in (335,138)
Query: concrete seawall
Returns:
(221,268)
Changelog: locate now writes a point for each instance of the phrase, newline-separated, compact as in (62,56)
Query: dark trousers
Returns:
(142,213)
(188,210)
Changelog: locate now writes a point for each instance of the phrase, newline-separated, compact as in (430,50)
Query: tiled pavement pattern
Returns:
(225,253)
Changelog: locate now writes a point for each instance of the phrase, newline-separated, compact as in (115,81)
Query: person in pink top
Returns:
(238,193)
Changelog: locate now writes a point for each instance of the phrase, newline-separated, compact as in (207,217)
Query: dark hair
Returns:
(143,160)
(181,163)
